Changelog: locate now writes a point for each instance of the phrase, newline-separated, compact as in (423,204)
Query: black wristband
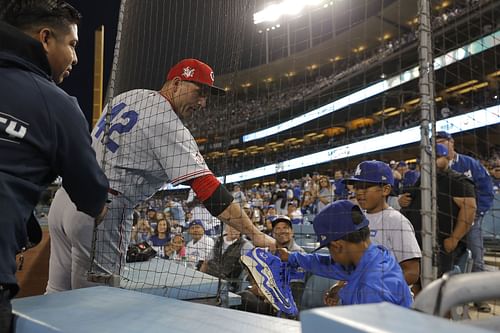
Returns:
(218,201)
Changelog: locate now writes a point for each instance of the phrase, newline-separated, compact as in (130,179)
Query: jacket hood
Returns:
(22,51)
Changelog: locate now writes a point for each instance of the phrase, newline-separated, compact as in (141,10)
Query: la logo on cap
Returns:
(188,72)
(358,170)
(323,237)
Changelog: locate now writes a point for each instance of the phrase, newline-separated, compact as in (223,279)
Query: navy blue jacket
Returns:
(473,169)
(43,133)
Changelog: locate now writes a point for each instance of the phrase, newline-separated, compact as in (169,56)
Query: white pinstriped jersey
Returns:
(148,146)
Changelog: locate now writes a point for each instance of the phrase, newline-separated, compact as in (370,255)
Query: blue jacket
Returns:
(43,133)
(377,278)
(473,169)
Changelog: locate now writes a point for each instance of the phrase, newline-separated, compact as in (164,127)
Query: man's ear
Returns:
(176,84)
(44,36)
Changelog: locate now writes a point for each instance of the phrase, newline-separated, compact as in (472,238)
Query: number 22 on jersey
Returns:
(123,124)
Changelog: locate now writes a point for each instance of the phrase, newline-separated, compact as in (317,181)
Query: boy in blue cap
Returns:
(372,273)
(373,182)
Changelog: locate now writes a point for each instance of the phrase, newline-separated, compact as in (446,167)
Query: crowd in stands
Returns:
(410,118)
(180,228)
(166,221)
(238,112)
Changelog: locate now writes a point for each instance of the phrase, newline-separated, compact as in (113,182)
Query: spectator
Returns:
(495,178)
(373,182)
(269,217)
(282,196)
(176,212)
(308,206)
(340,190)
(176,248)
(238,195)
(297,189)
(151,217)
(211,224)
(161,236)
(283,233)
(456,210)
(225,258)
(325,193)
(141,232)
(294,214)
(199,248)
(472,169)
(371,272)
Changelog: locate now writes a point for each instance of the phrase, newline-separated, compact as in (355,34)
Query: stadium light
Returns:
(274,12)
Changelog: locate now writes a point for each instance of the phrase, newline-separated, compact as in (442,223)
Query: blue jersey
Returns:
(376,278)
(472,169)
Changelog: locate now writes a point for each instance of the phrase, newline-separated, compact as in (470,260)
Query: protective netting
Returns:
(313,90)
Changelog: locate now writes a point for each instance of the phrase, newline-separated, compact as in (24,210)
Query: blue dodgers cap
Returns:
(372,172)
(410,178)
(197,222)
(335,221)
(443,135)
(441,150)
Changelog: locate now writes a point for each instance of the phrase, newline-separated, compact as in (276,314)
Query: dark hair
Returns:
(360,235)
(28,15)
(168,226)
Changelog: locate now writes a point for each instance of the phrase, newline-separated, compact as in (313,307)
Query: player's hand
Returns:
(101,215)
(450,244)
(282,253)
(405,200)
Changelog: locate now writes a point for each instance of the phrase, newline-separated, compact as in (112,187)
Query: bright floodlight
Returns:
(273,12)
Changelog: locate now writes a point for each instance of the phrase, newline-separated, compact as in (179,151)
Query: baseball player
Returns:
(147,146)
(42,130)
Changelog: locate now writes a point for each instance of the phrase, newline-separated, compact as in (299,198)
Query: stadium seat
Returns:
(314,290)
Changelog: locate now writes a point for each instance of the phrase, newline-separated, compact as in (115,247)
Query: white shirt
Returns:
(201,250)
(394,231)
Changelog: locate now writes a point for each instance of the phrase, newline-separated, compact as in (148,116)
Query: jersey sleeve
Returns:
(174,146)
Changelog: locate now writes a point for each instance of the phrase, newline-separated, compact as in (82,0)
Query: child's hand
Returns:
(282,253)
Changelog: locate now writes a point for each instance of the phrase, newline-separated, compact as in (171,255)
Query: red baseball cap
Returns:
(195,71)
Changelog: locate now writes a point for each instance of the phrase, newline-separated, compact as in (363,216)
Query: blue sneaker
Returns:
(273,279)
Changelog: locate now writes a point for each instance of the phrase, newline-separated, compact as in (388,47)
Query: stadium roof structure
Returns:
(390,20)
